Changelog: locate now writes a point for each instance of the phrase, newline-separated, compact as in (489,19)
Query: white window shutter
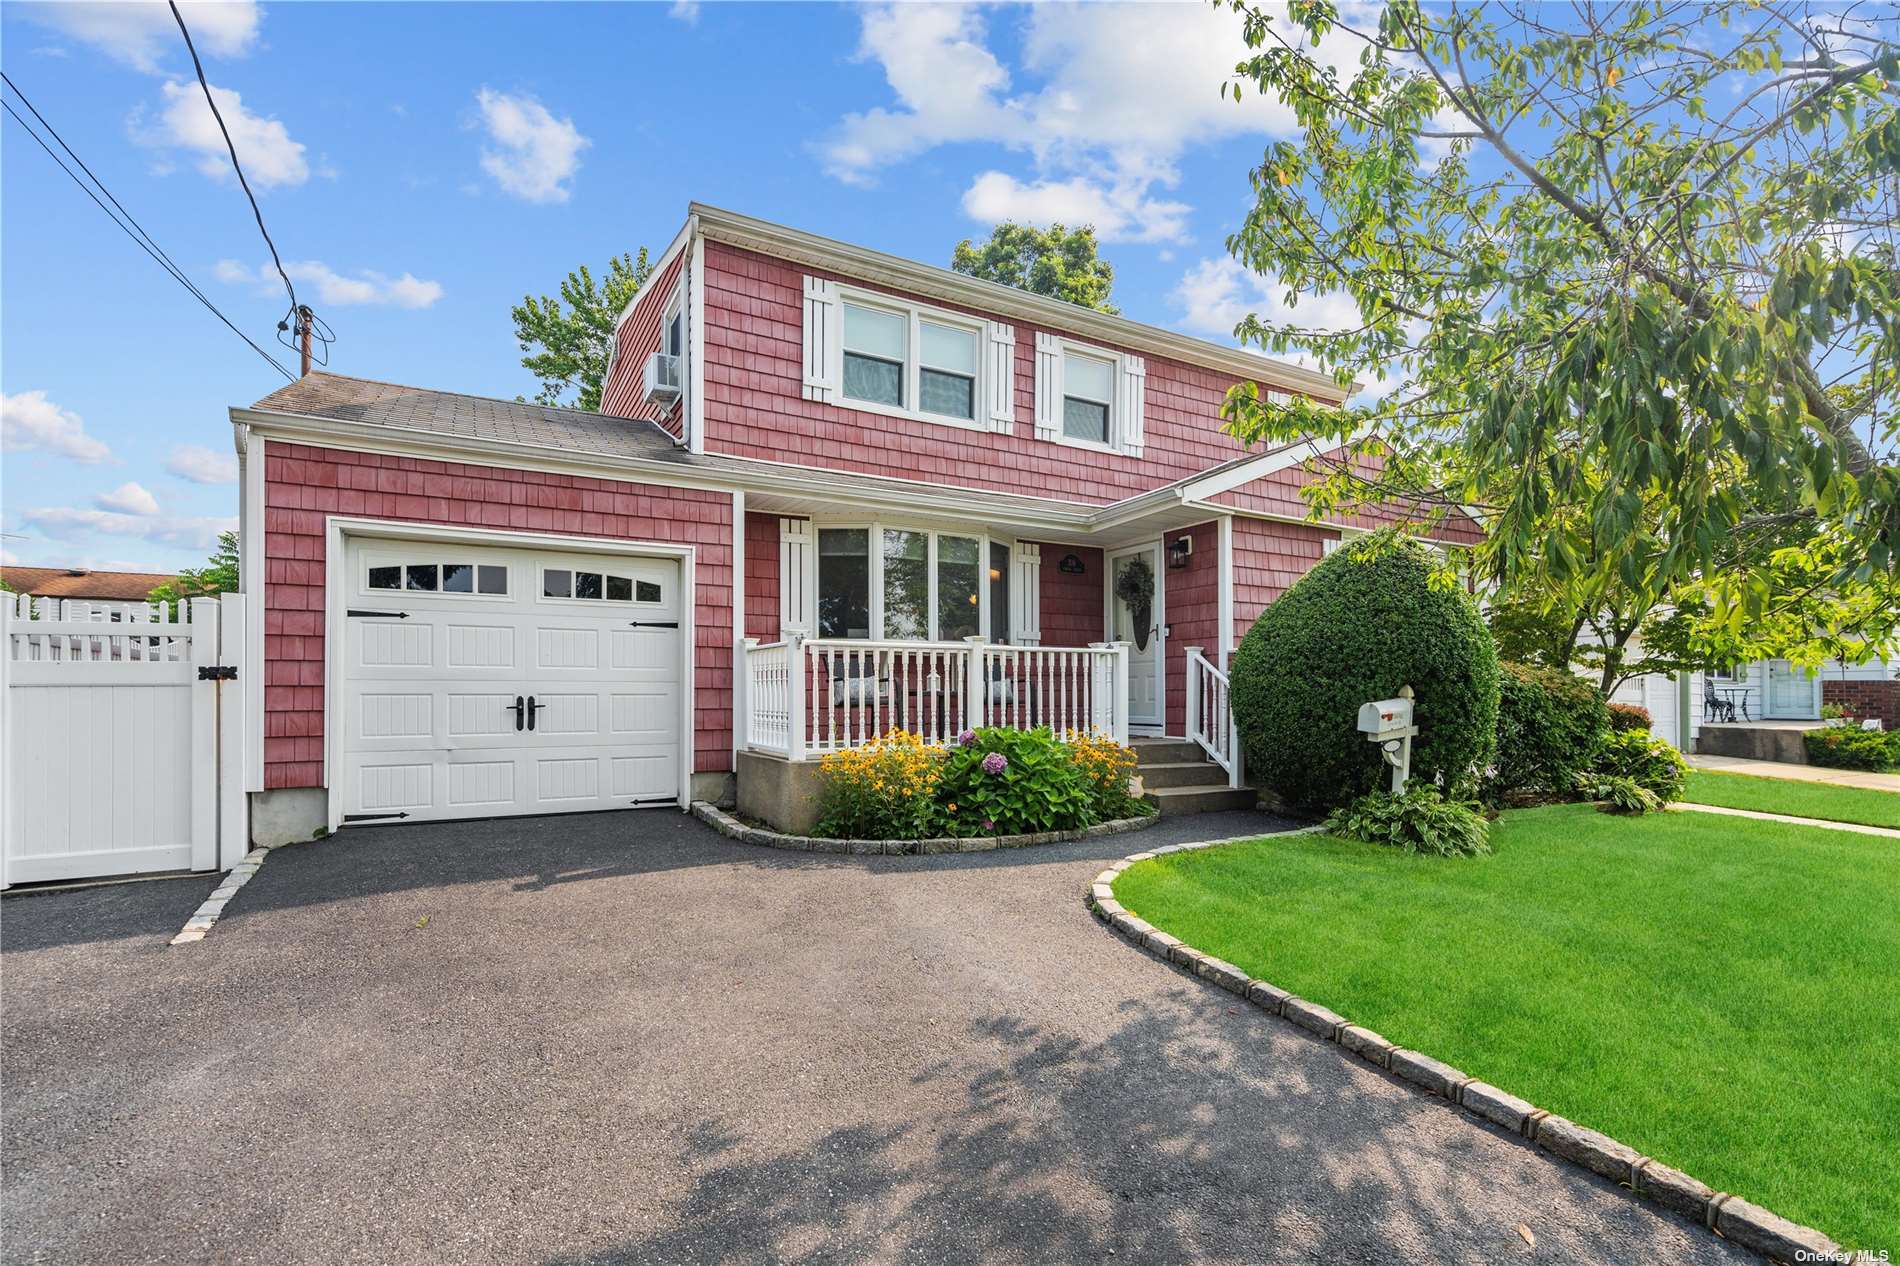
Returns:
(1002,367)
(1026,601)
(1132,404)
(1048,385)
(823,329)
(797,577)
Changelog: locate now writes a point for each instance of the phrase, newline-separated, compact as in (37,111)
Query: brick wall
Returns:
(1878,699)
(304,485)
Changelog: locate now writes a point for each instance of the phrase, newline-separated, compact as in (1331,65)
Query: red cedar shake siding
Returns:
(1072,610)
(762,618)
(304,485)
(1279,493)
(1268,558)
(755,405)
(1191,605)
(637,340)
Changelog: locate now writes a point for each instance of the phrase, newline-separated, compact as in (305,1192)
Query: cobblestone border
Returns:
(207,914)
(1732,1217)
(732,828)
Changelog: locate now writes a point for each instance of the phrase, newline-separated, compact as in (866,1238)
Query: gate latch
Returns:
(218,672)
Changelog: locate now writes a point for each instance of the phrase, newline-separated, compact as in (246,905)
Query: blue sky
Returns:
(425,165)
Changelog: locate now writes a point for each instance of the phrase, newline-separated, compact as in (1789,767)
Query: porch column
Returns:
(795,696)
(1120,696)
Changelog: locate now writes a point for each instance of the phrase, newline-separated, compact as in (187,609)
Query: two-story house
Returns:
(830,491)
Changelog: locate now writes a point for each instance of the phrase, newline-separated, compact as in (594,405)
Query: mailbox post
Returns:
(1389,724)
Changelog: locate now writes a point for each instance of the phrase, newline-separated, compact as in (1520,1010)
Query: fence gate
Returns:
(121,737)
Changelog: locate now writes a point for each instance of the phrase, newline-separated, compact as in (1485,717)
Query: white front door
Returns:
(484,682)
(1793,693)
(1144,633)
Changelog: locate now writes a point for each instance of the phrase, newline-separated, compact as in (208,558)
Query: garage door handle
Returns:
(378,615)
(516,710)
(532,706)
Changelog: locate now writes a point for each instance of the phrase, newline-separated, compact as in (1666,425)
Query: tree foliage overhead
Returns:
(569,339)
(1633,268)
(1055,261)
(218,575)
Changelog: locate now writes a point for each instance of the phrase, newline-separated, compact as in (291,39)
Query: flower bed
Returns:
(990,783)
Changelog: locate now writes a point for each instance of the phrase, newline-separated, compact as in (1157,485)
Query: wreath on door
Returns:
(1136,587)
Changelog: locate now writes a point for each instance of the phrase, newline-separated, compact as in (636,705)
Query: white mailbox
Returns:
(1386,717)
(1388,723)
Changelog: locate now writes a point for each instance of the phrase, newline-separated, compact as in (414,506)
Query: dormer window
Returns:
(1087,398)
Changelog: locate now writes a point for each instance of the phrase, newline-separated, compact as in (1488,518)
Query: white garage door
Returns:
(481,682)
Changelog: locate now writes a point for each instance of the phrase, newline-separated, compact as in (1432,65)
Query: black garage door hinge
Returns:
(381,615)
(217,672)
(372,817)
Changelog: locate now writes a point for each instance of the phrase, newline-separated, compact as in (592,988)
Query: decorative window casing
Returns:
(896,582)
(1090,397)
(881,354)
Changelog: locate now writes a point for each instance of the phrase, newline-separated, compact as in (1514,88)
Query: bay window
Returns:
(908,584)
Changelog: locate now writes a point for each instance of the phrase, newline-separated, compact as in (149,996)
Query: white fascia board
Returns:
(678,244)
(910,276)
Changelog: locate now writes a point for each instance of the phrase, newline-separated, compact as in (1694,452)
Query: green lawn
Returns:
(1801,799)
(1720,993)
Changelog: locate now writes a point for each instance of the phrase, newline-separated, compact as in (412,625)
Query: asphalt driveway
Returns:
(621,1038)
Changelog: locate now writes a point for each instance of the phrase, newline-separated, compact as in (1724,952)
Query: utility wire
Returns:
(236,166)
(136,232)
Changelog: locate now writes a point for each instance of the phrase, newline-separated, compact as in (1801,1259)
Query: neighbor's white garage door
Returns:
(480,682)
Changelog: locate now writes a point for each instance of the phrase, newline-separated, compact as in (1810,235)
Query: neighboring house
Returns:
(853,462)
(1763,690)
(83,583)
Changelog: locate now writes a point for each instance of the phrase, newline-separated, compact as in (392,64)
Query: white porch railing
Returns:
(809,696)
(1210,717)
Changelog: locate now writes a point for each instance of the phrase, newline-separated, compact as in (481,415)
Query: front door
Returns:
(1142,629)
(1792,692)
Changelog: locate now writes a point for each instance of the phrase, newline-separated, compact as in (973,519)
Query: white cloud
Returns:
(1119,214)
(686,11)
(139,33)
(1216,294)
(128,498)
(333,288)
(64,523)
(1122,91)
(534,155)
(31,422)
(201,465)
(271,159)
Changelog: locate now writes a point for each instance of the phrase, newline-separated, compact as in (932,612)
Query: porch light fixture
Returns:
(1071,565)
(1180,549)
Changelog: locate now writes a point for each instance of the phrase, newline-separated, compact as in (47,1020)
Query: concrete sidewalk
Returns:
(1797,773)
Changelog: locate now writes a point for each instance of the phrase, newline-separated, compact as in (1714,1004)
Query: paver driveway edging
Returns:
(1735,1219)
(732,828)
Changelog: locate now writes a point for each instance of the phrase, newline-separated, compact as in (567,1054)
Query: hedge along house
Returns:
(830,492)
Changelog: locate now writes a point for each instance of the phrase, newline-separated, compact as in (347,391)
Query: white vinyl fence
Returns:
(121,737)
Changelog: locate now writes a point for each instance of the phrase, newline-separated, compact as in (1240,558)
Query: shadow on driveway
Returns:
(149,908)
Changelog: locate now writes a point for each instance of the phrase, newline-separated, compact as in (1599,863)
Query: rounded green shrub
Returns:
(1627,716)
(1374,615)
(1849,747)
(1649,762)
(1550,726)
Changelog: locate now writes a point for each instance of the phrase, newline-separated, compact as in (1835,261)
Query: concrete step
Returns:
(1187,773)
(1179,800)
(1166,751)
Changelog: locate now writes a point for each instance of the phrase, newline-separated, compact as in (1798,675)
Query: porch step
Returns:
(1179,800)
(1187,773)
(1166,751)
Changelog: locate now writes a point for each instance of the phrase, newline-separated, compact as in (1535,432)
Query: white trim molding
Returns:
(251,581)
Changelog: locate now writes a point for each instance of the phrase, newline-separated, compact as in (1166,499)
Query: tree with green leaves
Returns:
(569,339)
(1056,261)
(218,575)
(1629,274)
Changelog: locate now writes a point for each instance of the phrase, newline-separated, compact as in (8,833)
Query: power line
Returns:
(237,166)
(129,226)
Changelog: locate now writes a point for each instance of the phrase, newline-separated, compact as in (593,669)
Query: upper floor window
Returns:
(1087,398)
(875,345)
(947,371)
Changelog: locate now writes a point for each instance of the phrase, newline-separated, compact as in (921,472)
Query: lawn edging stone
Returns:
(733,829)
(1731,1217)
